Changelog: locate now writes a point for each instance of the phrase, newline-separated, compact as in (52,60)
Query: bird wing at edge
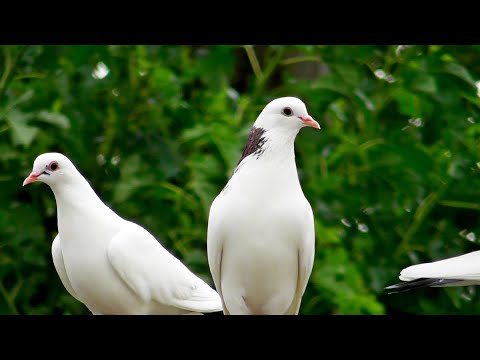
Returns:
(463,267)
(215,251)
(153,273)
(306,257)
(60,266)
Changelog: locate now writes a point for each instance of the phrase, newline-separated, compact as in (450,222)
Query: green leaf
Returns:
(26,96)
(196,132)
(331,82)
(365,100)
(460,72)
(351,74)
(132,178)
(22,134)
(408,103)
(425,83)
(54,119)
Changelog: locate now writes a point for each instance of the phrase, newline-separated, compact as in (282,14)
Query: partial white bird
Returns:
(461,270)
(261,236)
(112,265)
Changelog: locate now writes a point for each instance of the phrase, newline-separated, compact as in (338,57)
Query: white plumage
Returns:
(461,270)
(261,237)
(112,265)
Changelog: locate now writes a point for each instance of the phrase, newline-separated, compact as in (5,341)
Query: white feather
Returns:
(167,282)
(463,267)
(112,265)
(60,266)
(261,238)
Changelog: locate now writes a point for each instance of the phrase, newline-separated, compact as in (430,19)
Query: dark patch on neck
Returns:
(255,143)
(255,146)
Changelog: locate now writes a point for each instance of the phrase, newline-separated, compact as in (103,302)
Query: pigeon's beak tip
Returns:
(309,121)
(30,179)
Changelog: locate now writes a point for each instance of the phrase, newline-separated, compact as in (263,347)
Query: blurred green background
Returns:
(393,176)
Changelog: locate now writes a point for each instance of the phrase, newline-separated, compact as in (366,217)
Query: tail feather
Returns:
(204,299)
(420,283)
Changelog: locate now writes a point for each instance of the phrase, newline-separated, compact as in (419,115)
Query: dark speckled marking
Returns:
(254,146)
(420,283)
(255,143)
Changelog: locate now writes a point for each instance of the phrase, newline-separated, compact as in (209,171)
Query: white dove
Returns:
(112,265)
(460,270)
(261,236)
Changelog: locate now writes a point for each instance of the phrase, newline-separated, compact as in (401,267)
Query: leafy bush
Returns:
(157,130)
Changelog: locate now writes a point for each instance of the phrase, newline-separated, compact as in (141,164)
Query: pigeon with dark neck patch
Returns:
(261,237)
(462,270)
(112,265)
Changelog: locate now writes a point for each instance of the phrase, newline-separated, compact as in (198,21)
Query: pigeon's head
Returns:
(51,168)
(289,113)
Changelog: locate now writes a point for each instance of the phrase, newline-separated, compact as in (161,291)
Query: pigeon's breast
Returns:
(84,242)
(258,277)
(260,252)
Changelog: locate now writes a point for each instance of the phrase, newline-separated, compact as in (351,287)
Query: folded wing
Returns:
(155,274)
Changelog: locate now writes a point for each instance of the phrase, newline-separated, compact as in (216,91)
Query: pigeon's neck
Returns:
(275,146)
(267,166)
(76,195)
(280,146)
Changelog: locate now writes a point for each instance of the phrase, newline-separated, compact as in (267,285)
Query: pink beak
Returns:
(308,121)
(31,178)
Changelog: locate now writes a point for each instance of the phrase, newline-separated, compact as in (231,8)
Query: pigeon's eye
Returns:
(287,111)
(52,166)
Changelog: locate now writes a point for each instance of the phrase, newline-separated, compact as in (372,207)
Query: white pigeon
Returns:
(460,270)
(112,265)
(261,236)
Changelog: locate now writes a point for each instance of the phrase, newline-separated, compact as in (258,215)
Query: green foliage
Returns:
(157,130)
